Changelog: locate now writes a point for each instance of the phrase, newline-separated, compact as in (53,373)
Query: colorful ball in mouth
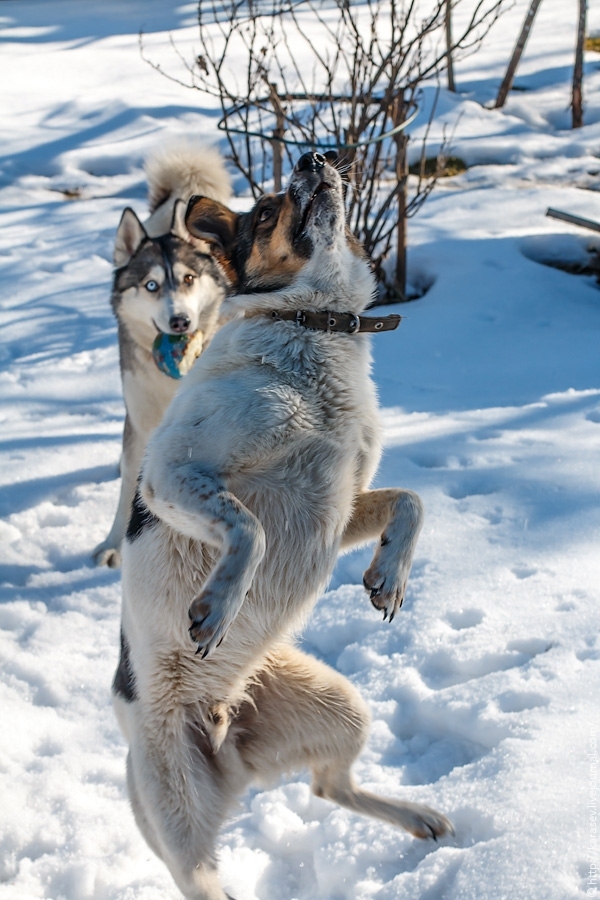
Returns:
(175,354)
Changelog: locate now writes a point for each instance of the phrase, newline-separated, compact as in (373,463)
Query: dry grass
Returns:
(451,166)
(69,193)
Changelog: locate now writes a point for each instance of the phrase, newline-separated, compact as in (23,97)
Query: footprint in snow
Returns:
(464,490)
(460,619)
(444,668)
(518,701)
(524,571)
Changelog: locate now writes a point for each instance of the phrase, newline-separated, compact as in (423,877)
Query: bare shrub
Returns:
(291,75)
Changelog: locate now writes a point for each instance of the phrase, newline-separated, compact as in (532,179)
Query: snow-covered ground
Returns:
(485,690)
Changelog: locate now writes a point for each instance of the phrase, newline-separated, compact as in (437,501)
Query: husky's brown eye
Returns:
(152,286)
(265,214)
(188,279)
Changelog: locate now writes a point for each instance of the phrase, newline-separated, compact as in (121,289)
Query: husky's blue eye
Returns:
(152,286)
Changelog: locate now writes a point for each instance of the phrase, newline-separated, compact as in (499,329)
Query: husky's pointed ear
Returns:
(130,234)
(211,221)
(179,228)
(178,221)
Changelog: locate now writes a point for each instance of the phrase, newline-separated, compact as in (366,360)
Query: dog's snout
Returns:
(311,162)
(179,324)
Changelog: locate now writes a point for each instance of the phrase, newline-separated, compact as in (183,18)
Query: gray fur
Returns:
(258,475)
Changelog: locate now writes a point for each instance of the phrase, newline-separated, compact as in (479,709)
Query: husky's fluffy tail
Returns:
(177,172)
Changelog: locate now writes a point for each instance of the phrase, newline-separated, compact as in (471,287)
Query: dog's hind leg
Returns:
(180,797)
(305,714)
(421,821)
(139,815)
(395,516)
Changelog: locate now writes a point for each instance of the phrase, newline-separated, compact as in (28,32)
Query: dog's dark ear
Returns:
(211,221)
(130,235)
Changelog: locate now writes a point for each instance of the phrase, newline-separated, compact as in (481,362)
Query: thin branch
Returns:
(331,75)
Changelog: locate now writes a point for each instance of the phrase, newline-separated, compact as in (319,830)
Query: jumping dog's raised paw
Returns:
(387,576)
(210,622)
(386,593)
(203,630)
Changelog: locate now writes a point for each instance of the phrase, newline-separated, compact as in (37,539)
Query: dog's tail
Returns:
(177,172)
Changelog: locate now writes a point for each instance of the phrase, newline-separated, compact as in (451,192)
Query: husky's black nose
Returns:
(311,162)
(179,324)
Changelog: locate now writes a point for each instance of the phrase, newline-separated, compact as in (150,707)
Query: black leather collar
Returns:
(345,323)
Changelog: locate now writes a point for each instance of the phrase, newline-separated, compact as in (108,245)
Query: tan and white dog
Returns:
(256,479)
(166,284)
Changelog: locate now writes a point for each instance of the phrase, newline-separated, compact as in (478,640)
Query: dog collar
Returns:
(344,323)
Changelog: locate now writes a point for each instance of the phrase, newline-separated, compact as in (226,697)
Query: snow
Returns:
(484,690)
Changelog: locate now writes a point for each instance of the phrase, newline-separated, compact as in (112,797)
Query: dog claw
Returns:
(201,639)
(196,624)
(377,590)
(373,590)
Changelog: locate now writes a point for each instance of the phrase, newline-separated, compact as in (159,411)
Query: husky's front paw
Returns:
(211,619)
(386,584)
(105,555)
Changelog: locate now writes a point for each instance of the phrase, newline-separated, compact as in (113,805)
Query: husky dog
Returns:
(255,480)
(165,283)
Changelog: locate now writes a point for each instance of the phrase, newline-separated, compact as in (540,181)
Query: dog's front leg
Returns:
(108,553)
(396,517)
(199,506)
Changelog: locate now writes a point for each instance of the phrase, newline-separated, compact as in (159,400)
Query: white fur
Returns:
(179,171)
(258,476)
